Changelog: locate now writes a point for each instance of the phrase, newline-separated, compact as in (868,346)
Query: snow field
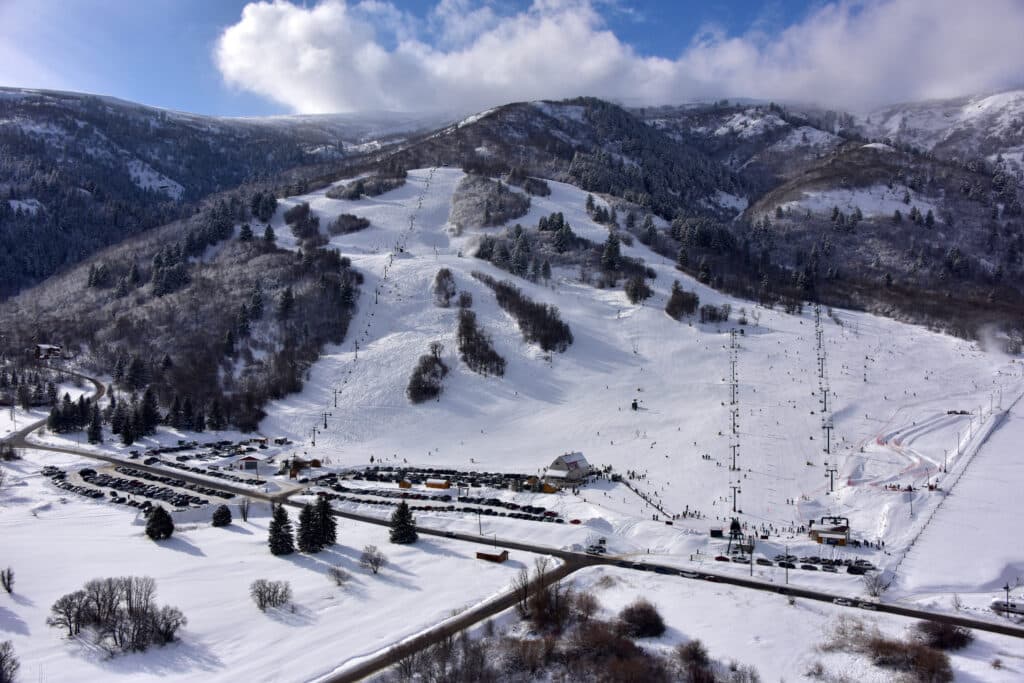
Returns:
(780,640)
(206,572)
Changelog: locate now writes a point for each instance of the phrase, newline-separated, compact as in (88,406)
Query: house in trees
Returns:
(567,469)
(45,351)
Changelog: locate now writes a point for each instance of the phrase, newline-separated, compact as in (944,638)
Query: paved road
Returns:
(571,562)
(18,438)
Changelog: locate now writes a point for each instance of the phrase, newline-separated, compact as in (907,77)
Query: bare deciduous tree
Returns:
(875,584)
(372,559)
(338,575)
(9,663)
(270,593)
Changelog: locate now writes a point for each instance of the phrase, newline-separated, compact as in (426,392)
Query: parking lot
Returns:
(131,487)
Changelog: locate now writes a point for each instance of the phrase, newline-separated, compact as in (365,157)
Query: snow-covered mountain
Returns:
(81,172)
(984,127)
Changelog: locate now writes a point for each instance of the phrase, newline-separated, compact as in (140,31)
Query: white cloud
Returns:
(338,56)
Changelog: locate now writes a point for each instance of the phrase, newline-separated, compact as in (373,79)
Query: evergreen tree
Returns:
(150,412)
(160,525)
(95,433)
(221,516)
(128,433)
(611,255)
(327,524)
(269,238)
(229,342)
(187,414)
(682,259)
(310,533)
(256,302)
(245,234)
(280,537)
(545,270)
(285,304)
(403,526)
(216,419)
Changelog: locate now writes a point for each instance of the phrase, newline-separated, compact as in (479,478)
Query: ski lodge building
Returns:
(567,469)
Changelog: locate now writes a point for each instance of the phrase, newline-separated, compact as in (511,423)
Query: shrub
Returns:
(159,525)
(693,654)
(641,620)
(944,636)
(348,223)
(270,593)
(338,575)
(637,290)
(372,559)
(585,606)
(221,516)
(715,314)
(926,664)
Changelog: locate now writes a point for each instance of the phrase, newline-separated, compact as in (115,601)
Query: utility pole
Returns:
(830,472)
(327,415)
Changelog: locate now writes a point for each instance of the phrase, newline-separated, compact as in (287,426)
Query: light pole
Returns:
(1007,589)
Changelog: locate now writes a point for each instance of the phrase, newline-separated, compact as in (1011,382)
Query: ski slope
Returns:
(891,387)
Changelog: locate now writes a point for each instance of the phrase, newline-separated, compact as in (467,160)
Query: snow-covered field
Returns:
(56,541)
(877,200)
(781,641)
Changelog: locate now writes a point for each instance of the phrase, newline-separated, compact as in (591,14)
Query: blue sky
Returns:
(208,56)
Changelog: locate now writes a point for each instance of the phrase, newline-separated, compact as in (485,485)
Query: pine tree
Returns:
(545,270)
(160,525)
(256,302)
(611,255)
(328,525)
(150,412)
(269,238)
(216,419)
(403,526)
(95,433)
(280,537)
(309,530)
(229,343)
(285,304)
(221,516)
(245,234)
